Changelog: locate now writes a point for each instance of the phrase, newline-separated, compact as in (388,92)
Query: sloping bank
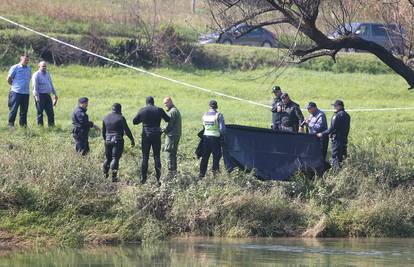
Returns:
(56,197)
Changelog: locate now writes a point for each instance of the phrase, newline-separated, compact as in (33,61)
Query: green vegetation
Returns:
(48,194)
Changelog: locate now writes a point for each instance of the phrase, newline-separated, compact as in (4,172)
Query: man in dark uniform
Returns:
(113,129)
(277,91)
(81,126)
(150,116)
(214,130)
(339,130)
(295,114)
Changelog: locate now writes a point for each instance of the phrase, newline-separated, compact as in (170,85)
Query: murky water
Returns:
(227,252)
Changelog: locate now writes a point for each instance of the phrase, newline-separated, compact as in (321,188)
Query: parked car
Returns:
(390,36)
(241,35)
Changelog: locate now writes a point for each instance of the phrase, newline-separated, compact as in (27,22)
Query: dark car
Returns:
(390,36)
(242,35)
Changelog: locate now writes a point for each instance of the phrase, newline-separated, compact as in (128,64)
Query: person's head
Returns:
(338,105)
(149,100)
(117,108)
(285,98)
(277,91)
(83,102)
(42,66)
(311,107)
(168,103)
(213,104)
(24,59)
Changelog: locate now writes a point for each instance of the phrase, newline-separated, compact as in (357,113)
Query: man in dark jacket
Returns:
(81,126)
(113,129)
(150,116)
(277,101)
(339,130)
(294,113)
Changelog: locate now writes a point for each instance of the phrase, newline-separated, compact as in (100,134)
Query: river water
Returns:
(226,252)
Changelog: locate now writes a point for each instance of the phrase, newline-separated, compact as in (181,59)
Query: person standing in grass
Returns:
(172,136)
(19,79)
(317,123)
(150,116)
(114,127)
(295,114)
(339,130)
(42,88)
(277,91)
(81,127)
(214,130)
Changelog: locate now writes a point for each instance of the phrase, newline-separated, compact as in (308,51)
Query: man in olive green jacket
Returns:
(172,136)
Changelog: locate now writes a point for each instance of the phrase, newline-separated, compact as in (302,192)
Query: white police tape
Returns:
(167,78)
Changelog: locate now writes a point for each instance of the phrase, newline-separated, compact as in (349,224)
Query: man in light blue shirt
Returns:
(19,79)
(317,123)
(42,88)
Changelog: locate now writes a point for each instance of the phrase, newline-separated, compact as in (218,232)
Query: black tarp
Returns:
(271,155)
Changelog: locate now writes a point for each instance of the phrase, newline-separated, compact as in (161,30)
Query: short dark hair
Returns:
(149,100)
(24,54)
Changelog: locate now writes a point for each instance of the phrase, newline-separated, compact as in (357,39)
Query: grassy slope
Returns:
(49,194)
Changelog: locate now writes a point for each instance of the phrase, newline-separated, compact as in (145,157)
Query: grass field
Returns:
(50,195)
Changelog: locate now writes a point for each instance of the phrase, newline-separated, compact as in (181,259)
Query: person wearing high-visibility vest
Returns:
(214,130)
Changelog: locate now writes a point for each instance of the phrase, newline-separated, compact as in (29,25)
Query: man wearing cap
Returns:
(339,130)
(277,91)
(294,113)
(214,130)
(172,136)
(19,79)
(317,123)
(150,116)
(114,127)
(42,88)
(81,126)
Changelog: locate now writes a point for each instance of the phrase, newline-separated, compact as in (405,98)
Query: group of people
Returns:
(287,116)
(115,126)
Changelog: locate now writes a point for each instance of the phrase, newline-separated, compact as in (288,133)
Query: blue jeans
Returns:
(18,101)
(45,104)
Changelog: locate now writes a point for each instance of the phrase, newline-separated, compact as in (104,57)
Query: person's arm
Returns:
(299,115)
(103,130)
(164,115)
(51,85)
(333,127)
(172,122)
(11,75)
(84,121)
(137,119)
(320,123)
(128,131)
(222,125)
(35,85)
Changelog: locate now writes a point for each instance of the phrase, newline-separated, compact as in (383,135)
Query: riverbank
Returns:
(50,195)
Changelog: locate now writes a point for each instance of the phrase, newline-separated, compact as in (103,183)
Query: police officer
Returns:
(339,130)
(277,91)
(172,136)
(317,123)
(214,129)
(114,127)
(81,126)
(294,113)
(150,116)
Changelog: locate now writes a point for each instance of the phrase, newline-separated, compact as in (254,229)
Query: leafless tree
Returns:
(315,19)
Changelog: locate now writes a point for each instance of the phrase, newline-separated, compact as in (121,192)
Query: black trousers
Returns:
(81,143)
(339,153)
(151,141)
(113,153)
(324,144)
(18,102)
(211,145)
(45,105)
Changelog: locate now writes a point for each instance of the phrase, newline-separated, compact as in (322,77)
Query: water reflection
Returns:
(227,252)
